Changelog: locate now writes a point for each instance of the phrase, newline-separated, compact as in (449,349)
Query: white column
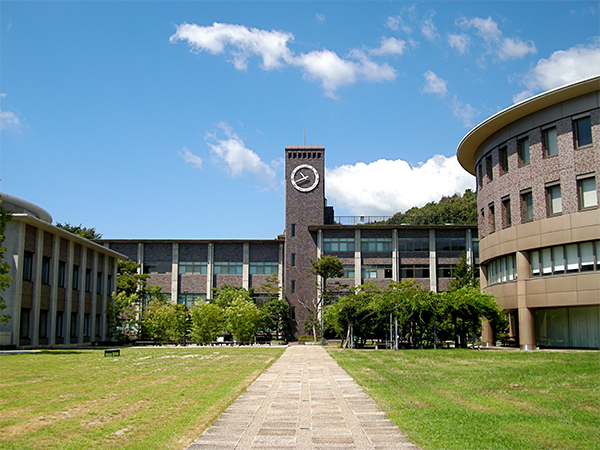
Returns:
(357,259)
(175,272)
(280,269)
(18,261)
(81,311)
(37,286)
(395,259)
(210,271)
(140,257)
(94,280)
(54,290)
(246,266)
(68,294)
(106,291)
(432,262)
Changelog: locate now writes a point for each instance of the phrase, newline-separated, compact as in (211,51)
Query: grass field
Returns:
(148,398)
(484,400)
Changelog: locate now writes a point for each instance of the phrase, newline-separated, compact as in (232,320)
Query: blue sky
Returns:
(169,119)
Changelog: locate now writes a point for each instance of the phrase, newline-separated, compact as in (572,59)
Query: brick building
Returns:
(537,165)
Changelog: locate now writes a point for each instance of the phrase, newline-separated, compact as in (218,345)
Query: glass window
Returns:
(61,273)
(583,132)
(550,142)
(414,271)
(506,213)
(445,270)
(45,270)
(192,267)
(523,149)
(228,268)
(546,262)
(109,287)
(526,206)
(534,258)
(27,266)
(76,277)
(377,271)
(59,324)
(586,252)
(587,192)
(475,243)
(88,280)
(413,244)
(99,283)
(447,244)
(348,272)
(43,330)
(558,259)
(264,268)
(376,244)
(492,218)
(553,199)
(503,160)
(189,299)
(489,169)
(338,244)
(479,175)
(572,258)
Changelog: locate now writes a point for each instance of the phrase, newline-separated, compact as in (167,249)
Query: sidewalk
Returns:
(304,401)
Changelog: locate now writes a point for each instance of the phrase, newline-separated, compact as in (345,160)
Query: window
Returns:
(228,268)
(73,324)
(475,244)
(293,286)
(338,244)
(377,271)
(293,229)
(586,189)
(582,131)
(489,170)
(376,244)
(98,325)
(75,278)
(502,270)
(45,270)
(506,214)
(550,142)
(192,267)
(189,299)
(88,280)
(348,272)
(414,271)
(479,175)
(59,324)
(99,283)
(523,150)
(293,260)
(27,266)
(503,160)
(158,267)
(450,244)
(553,199)
(61,273)
(265,268)
(43,329)
(86,324)
(526,206)
(417,244)
(561,259)
(25,321)
(109,287)
(492,218)
(445,270)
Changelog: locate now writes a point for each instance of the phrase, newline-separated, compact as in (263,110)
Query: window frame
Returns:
(503,160)
(577,132)
(506,213)
(524,153)
(489,168)
(546,142)
(581,194)
(526,207)
(551,189)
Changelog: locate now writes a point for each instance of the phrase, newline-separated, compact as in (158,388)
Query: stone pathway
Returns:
(303,401)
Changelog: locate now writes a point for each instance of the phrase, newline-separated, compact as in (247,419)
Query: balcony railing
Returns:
(360,220)
(399,220)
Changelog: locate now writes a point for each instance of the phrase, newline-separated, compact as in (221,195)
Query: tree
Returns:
(326,267)
(274,317)
(208,322)
(81,231)
(163,320)
(5,280)
(455,209)
(133,292)
(463,274)
(242,318)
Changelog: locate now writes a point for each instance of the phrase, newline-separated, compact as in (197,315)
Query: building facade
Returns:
(61,283)
(537,165)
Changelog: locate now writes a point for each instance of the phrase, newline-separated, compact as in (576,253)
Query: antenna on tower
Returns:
(304,135)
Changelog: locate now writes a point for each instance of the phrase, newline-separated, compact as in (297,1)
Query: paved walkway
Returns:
(303,401)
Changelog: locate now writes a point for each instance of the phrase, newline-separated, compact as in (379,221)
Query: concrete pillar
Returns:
(68,294)
(54,290)
(395,259)
(37,286)
(106,291)
(18,283)
(140,258)
(210,271)
(94,280)
(319,278)
(81,312)
(175,272)
(432,262)
(525,315)
(487,335)
(469,248)
(357,259)
(246,266)
(280,269)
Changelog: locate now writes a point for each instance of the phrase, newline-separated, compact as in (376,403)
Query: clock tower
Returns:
(304,206)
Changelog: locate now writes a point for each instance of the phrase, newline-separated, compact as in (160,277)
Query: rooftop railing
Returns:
(399,220)
(360,220)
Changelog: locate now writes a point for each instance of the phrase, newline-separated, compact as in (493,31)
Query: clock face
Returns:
(305,178)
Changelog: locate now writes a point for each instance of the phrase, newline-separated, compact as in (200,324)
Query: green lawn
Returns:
(148,398)
(482,399)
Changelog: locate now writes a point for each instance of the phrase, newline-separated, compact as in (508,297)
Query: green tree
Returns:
(242,318)
(5,280)
(274,317)
(463,274)
(455,209)
(80,230)
(326,267)
(208,322)
(163,320)
(271,287)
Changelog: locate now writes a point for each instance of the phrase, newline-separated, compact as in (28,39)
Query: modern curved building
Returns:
(537,165)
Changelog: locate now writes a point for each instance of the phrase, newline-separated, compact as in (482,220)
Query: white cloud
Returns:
(8,120)
(325,66)
(562,67)
(389,46)
(459,42)
(434,84)
(504,48)
(386,187)
(429,29)
(320,18)
(237,159)
(466,113)
(241,42)
(189,157)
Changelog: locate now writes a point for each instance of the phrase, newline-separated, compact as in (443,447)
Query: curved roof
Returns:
(19,206)
(467,148)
